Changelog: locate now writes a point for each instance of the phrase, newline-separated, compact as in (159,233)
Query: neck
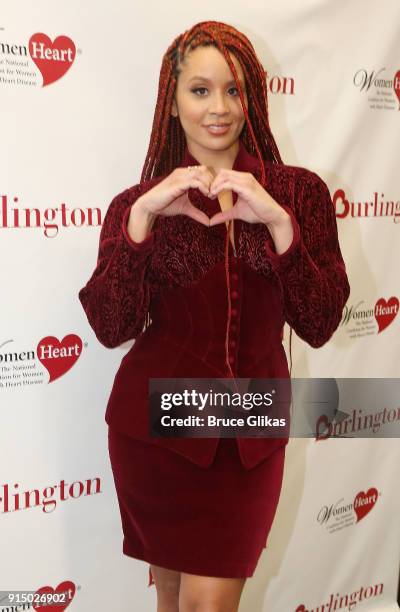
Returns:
(215,159)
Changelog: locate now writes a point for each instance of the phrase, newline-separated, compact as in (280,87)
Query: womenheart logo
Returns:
(59,357)
(52,58)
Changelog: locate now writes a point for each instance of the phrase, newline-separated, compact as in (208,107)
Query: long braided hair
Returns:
(168,140)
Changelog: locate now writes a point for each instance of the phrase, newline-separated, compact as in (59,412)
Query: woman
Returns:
(205,293)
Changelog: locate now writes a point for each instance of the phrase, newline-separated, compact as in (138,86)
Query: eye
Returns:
(198,89)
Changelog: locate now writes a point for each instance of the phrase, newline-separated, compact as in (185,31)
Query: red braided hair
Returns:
(168,140)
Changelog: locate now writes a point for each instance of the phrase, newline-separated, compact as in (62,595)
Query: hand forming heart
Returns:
(254,204)
(170,197)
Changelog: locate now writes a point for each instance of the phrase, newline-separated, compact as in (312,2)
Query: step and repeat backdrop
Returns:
(78,86)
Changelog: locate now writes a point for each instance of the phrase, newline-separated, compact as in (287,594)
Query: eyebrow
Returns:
(200,78)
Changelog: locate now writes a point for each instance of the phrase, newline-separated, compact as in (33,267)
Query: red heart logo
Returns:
(52,58)
(364,502)
(340,198)
(385,312)
(323,428)
(59,599)
(58,357)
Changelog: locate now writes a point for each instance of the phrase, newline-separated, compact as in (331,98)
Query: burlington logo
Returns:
(346,601)
(376,207)
(48,498)
(359,423)
(48,218)
(52,58)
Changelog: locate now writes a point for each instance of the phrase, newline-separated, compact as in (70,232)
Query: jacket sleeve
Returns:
(117,295)
(311,272)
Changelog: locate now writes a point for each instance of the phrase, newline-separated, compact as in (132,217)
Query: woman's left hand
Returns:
(253,205)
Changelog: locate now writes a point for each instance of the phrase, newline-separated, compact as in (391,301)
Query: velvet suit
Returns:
(169,294)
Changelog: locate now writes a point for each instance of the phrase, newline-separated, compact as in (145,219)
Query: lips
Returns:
(217,128)
(217,125)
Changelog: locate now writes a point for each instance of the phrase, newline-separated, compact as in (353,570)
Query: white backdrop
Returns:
(66,149)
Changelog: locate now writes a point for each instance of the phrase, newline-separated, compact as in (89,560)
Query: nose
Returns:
(218,104)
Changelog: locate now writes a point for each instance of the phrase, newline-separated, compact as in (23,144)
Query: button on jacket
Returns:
(169,294)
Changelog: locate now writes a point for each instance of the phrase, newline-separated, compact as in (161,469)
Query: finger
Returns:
(206,174)
(203,174)
(199,184)
(219,186)
(222,217)
(202,185)
(229,182)
(222,175)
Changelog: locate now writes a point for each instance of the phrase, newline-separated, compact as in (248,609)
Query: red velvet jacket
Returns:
(177,275)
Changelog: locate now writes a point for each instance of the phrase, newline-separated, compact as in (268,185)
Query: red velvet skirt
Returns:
(207,521)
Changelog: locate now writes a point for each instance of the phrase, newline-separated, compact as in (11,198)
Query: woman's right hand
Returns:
(170,196)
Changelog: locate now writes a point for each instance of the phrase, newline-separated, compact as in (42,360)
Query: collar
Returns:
(243,161)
